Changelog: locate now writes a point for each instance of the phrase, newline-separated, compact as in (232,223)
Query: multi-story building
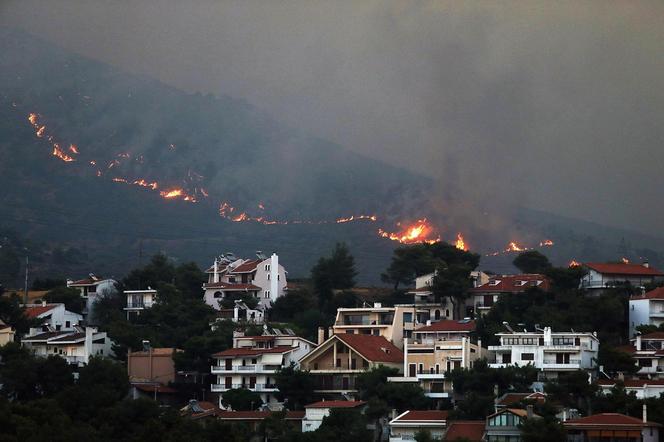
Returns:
(601,276)
(263,278)
(423,292)
(405,426)
(437,349)
(53,317)
(612,427)
(337,361)
(253,361)
(484,296)
(648,351)
(550,352)
(92,289)
(392,323)
(76,346)
(647,308)
(139,300)
(6,333)
(505,425)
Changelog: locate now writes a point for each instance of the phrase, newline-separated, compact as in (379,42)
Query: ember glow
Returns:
(420,231)
(356,218)
(461,243)
(546,243)
(143,183)
(171,193)
(73,149)
(625,260)
(514,247)
(574,263)
(57,152)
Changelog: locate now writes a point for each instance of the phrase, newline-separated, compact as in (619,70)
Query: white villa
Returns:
(139,300)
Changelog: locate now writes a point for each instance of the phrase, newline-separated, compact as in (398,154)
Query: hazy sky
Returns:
(556,105)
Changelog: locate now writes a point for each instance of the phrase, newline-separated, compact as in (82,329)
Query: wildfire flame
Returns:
(574,263)
(171,193)
(546,243)
(514,247)
(415,233)
(32,118)
(625,260)
(143,183)
(40,131)
(73,149)
(356,218)
(57,152)
(461,243)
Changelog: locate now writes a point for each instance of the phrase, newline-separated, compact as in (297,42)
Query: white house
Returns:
(606,275)
(6,333)
(316,412)
(254,360)
(484,296)
(92,289)
(139,300)
(53,316)
(550,352)
(648,351)
(263,278)
(76,346)
(407,424)
(646,309)
(643,388)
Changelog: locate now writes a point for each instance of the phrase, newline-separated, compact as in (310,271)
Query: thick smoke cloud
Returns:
(555,106)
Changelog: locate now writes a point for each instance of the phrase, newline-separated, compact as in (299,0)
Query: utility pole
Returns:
(25,287)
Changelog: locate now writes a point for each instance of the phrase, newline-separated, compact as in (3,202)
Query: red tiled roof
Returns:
(257,415)
(632,383)
(373,348)
(230,286)
(36,311)
(161,389)
(69,338)
(258,338)
(470,430)
(626,348)
(335,404)
(220,268)
(653,335)
(657,293)
(252,351)
(513,283)
(86,281)
(608,420)
(247,267)
(623,269)
(44,336)
(448,325)
(424,415)
(512,398)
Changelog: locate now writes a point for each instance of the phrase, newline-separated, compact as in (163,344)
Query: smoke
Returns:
(554,106)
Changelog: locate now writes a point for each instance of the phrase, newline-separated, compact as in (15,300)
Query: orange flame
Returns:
(514,247)
(73,148)
(153,185)
(356,218)
(32,118)
(574,263)
(415,233)
(171,193)
(461,243)
(40,131)
(625,260)
(546,243)
(57,152)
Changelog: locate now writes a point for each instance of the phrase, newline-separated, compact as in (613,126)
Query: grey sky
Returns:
(555,105)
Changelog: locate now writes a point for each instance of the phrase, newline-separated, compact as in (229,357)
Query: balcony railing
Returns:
(255,387)
(253,368)
(135,305)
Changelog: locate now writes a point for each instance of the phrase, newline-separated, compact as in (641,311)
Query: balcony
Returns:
(573,364)
(657,313)
(335,383)
(135,306)
(253,368)
(220,388)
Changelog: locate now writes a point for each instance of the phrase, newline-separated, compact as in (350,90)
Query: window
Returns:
(563,341)
(365,363)
(268,276)
(407,317)
(511,341)
(527,356)
(267,293)
(253,361)
(267,267)
(528,341)
(67,324)
(338,362)
(315,365)
(231,279)
(278,277)
(420,368)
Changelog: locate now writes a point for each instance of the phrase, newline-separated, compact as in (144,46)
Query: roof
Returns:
(247,266)
(230,286)
(45,336)
(38,310)
(609,420)
(373,348)
(423,415)
(69,338)
(87,281)
(470,430)
(653,335)
(632,383)
(248,351)
(159,351)
(518,411)
(336,404)
(257,415)
(657,293)
(513,283)
(448,325)
(623,269)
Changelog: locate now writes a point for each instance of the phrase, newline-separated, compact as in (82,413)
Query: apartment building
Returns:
(648,351)
(253,362)
(437,349)
(550,352)
(92,289)
(337,361)
(139,300)
(647,308)
(263,278)
(484,296)
(601,276)
(612,427)
(6,333)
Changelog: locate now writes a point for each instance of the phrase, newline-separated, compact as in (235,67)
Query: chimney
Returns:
(645,413)
(274,277)
(638,342)
(529,410)
(216,270)
(321,335)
